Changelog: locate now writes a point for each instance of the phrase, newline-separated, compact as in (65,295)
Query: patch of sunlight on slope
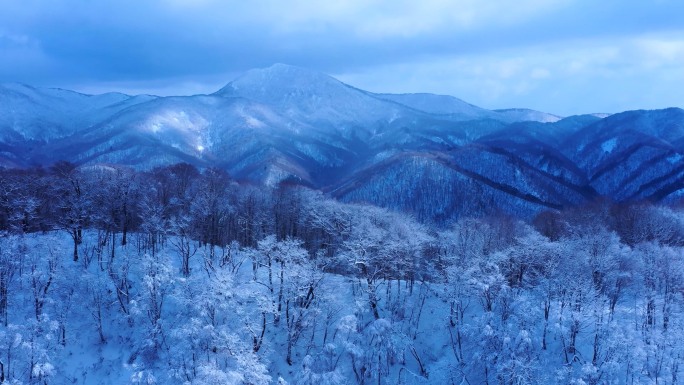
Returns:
(609,145)
(191,127)
(674,158)
(175,120)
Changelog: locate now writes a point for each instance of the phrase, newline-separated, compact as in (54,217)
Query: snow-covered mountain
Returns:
(45,113)
(435,156)
(525,114)
(441,105)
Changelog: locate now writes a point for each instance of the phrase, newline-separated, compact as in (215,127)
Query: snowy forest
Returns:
(183,276)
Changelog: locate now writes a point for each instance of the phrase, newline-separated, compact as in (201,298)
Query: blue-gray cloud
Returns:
(514,51)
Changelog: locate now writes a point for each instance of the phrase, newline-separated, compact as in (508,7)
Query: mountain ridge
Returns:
(395,150)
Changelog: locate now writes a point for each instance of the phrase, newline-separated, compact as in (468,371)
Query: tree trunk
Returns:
(372,298)
(111,259)
(547,311)
(124,230)
(260,339)
(74,235)
(280,291)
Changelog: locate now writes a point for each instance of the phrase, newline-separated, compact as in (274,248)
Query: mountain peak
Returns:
(281,71)
(282,68)
(281,81)
(311,95)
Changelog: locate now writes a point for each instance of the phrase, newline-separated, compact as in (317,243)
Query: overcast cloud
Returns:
(560,56)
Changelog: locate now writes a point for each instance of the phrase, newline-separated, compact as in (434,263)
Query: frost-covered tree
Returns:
(319,370)
(70,189)
(11,337)
(156,287)
(155,222)
(293,278)
(214,335)
(210,208)
(9,265)
(383,246)
(186,248)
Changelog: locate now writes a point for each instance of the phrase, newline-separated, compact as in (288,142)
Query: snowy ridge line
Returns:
(286,124)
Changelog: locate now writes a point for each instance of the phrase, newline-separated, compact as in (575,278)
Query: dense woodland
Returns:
(195,278)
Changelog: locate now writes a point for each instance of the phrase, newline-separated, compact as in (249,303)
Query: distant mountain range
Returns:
(434,156)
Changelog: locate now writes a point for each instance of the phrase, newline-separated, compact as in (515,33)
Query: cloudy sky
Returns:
(559,56)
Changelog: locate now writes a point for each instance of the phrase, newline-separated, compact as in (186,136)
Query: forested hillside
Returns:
(175,275)
(435,157)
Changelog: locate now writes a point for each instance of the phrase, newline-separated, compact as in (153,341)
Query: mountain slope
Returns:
(44,114)
(435,156)
(632,155)
(527,115)
(441,105)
